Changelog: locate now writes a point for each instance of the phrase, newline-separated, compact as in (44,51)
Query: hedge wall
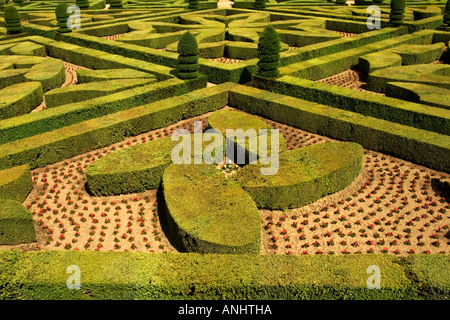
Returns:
(420,93)
(54,118)
(20,99)
(87,75)
(16,223)
(304,175)
(133,169)
(136,168)
(132,275)
(86,91)
(15,183)
(223,120)
(394,110)
(324,66)
(53,146)
(208,213)
(423,147)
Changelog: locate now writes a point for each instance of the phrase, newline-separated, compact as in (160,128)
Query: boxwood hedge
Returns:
(208,213)
(16,223)
(15,183)
(132,275)
(304,175)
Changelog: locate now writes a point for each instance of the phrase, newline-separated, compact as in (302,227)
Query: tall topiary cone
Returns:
(447,14)
(397,12)
(61,17)
(269,53)
(12,20)
(193,5)
(188,57)
(115,3)
(260,4)
(83,4)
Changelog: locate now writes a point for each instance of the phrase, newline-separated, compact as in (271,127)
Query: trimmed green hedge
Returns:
(15,183)
(430,74)
(133,275)
(234,120)
(133,169)
(304,175)
(208,213)
(420,93)
(20,99)
(53,146)
(54,118)
(48,71)
(87,75)
(323,66)
(432,275)
(16,223)
(394,110)
(86,91)
(423,147)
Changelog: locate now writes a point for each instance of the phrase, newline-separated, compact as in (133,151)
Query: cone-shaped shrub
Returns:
(193,5)
(115,3)
(188,57)
(61,17)
(447,14)
(260,4)
(269,53)
(397,12)
(12,20)
(83,3)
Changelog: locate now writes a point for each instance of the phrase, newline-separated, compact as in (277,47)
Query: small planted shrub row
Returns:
(16,223)
(132,275)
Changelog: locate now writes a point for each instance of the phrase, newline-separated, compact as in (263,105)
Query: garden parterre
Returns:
(397,205)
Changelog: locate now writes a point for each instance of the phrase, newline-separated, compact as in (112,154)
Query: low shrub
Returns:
(15,183)
(16,223)
(208,213)
(304,175)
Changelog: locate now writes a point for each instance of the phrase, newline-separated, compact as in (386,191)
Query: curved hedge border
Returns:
(16,223)
(133,275)
(133,169)
(208,213)
(15,183)
(20,99)
(304,175)
(227,119)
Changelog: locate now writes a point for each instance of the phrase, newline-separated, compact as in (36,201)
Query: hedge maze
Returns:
(86,157)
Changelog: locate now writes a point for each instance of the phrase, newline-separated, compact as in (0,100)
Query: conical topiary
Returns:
(83,4)
(115,3)
(61,17)
(12,20)
(397,12)
(269,53)
(447,14)
(260,4)
(193,5)
(188,57)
